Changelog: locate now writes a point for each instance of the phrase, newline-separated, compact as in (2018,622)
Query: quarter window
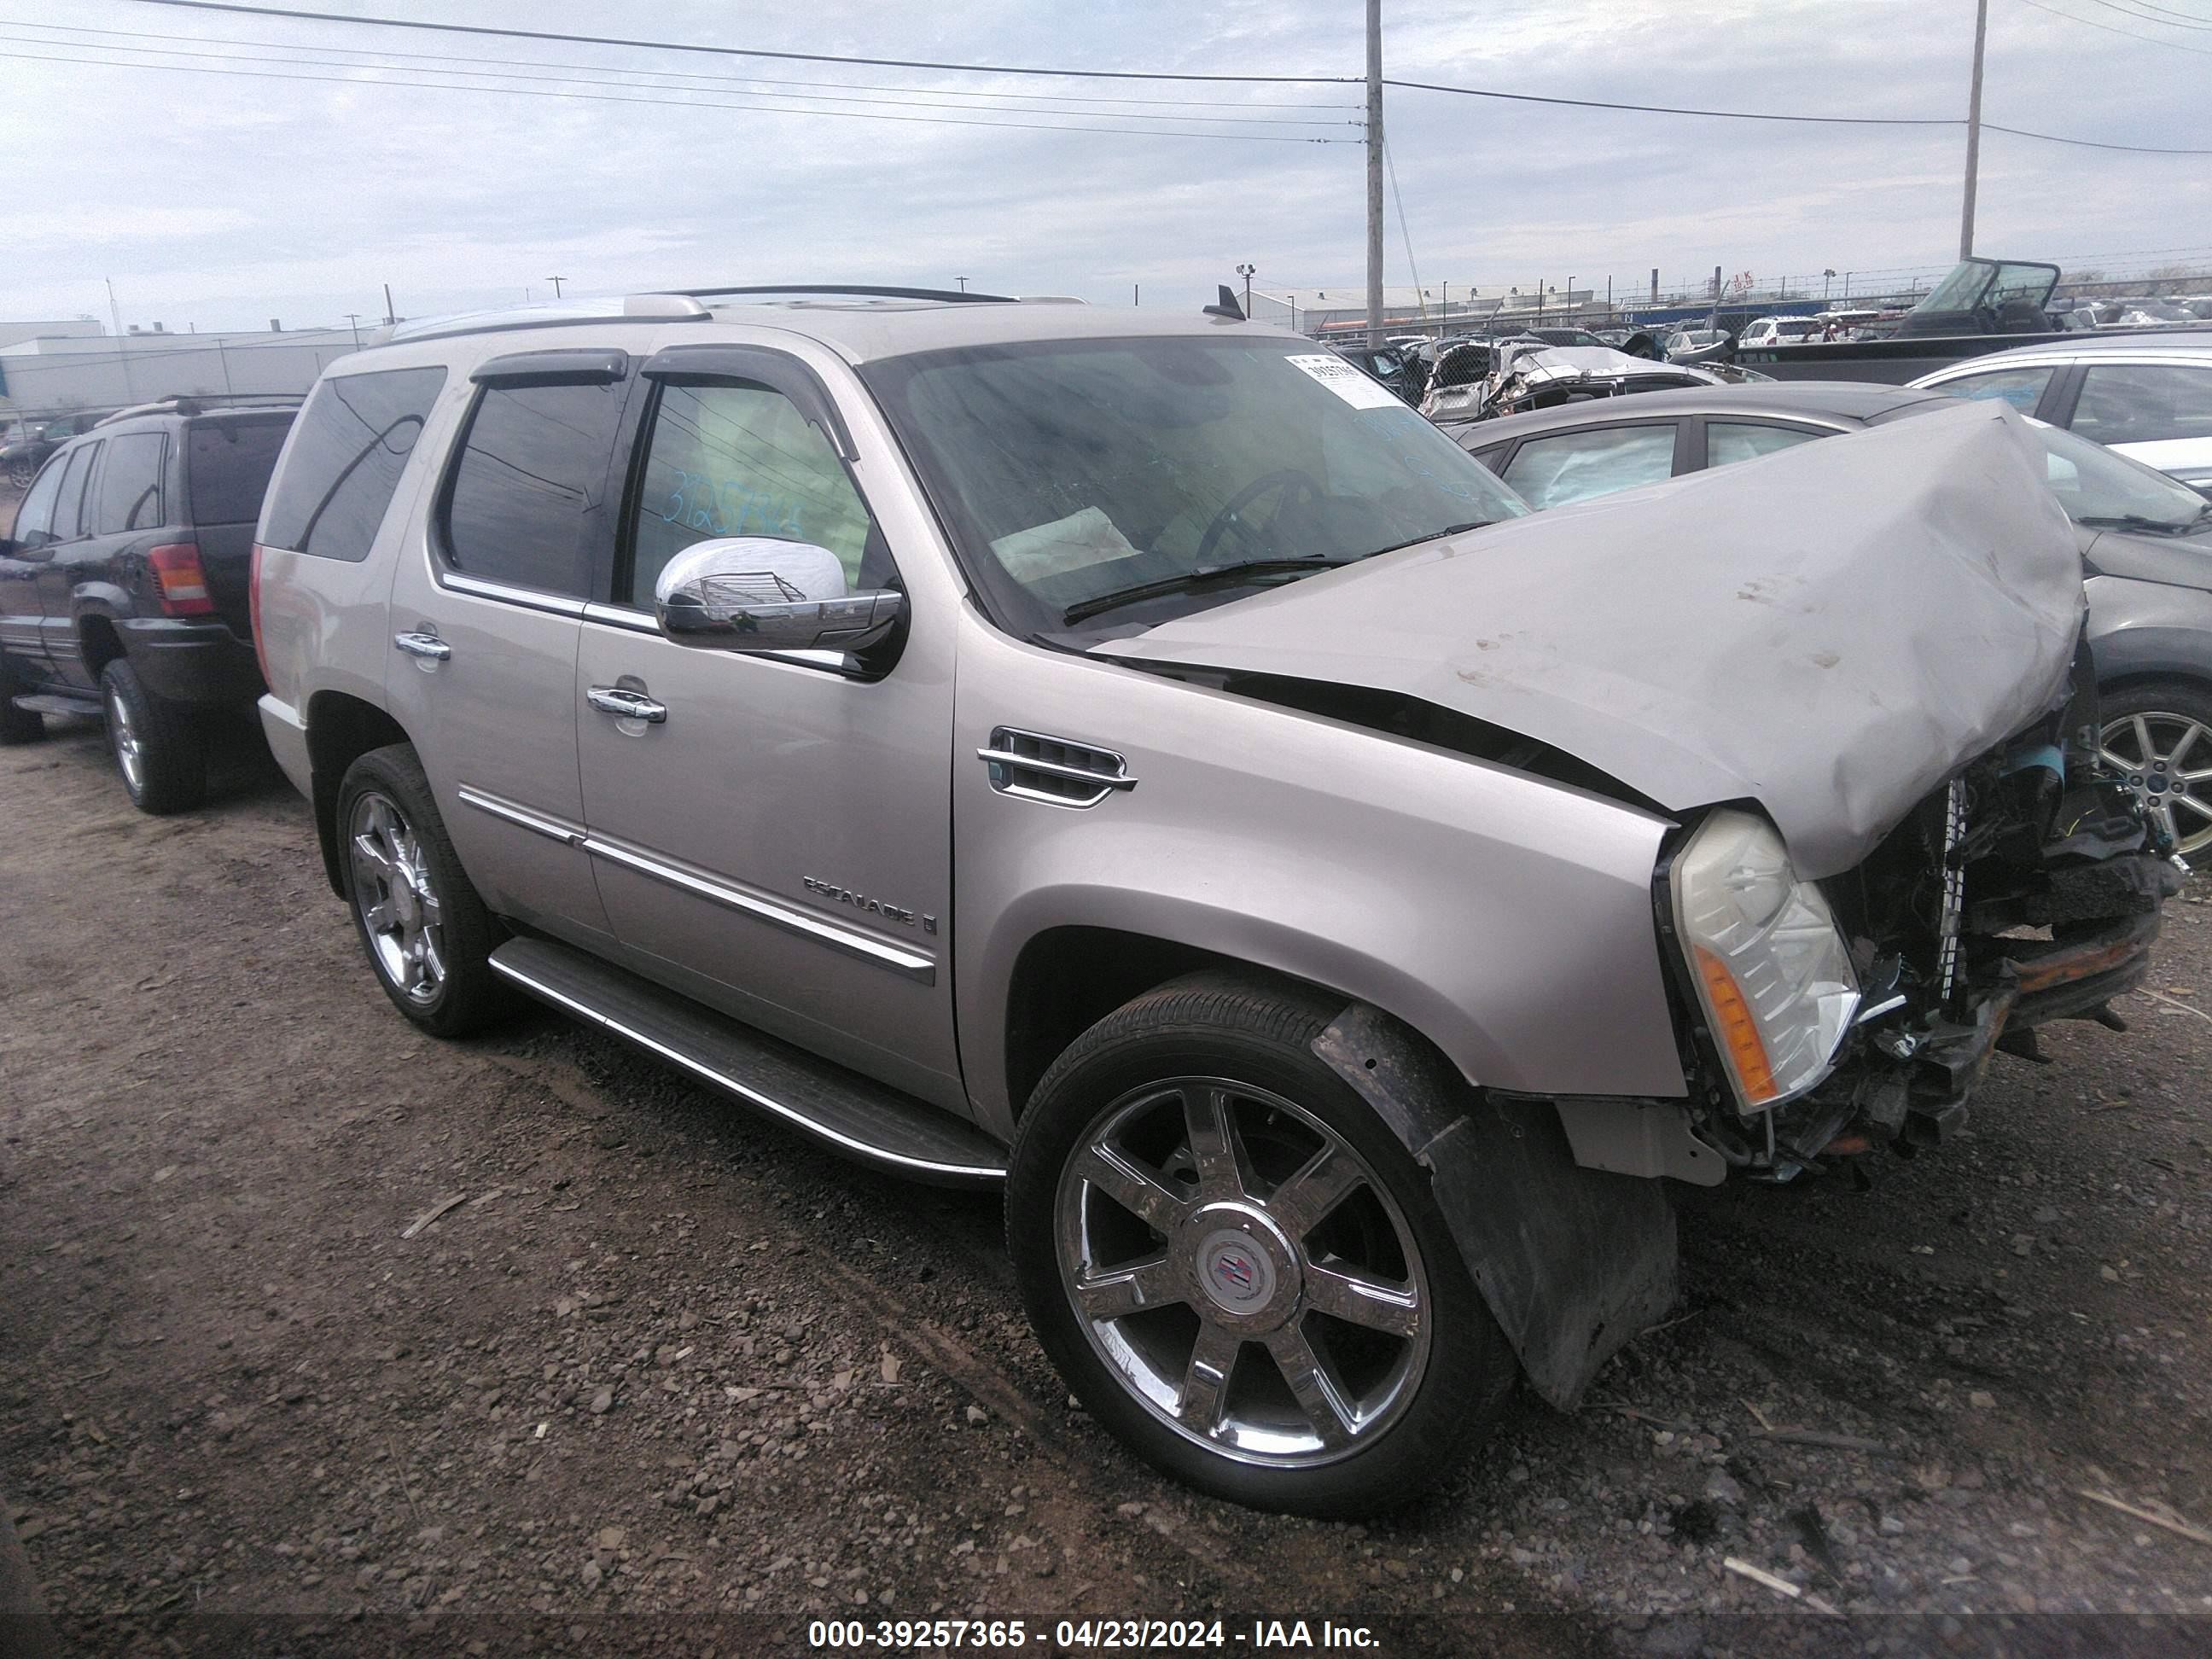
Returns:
(1576,467)
(2144,403)
(739,459)
(530,482)
(2021,387)
(128,497)
(349,446)
(34,520)
(1727,441)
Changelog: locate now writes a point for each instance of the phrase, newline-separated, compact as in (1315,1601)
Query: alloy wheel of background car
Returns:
(22,472)
(158,748)
(1237,1267)
(425,928)
(2159,737)
(1261,1231)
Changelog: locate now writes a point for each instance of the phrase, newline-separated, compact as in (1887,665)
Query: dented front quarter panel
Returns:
(1506,918)
(1830,631)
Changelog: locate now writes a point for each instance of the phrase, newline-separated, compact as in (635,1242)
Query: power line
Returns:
(2146,17)
(2087,22)
(357,20)
(666,102)
(2091,143)
(1646,109)
(912,101)
(736,80)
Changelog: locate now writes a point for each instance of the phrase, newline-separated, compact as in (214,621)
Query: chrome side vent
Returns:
(1053,770)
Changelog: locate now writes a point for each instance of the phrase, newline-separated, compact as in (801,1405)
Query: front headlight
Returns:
(1771,968)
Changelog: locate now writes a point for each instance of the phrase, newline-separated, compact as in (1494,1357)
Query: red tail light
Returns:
(254,611)
(181,580)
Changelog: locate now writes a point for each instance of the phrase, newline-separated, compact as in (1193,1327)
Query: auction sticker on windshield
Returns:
(1348,382)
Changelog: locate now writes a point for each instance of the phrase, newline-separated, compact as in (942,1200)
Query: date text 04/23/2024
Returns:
(1089,1635)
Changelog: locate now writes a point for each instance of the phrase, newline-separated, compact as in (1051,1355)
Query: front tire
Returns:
(425,928)
(157,748)
(1236,1266)
(2159,734)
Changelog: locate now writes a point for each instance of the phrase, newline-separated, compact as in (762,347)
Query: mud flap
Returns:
(1572,1261)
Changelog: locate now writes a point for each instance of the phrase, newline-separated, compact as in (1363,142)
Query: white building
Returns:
(51,372)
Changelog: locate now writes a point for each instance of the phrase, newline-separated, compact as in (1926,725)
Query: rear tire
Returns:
(1236,1265)
(157,746)
(428,935)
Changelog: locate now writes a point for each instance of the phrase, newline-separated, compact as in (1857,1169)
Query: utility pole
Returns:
(1245,272)
(963,281)
(1136,294)
(1973,131)
(354,316)
(391,317)
(1375,172)
(557,281)
(114,310)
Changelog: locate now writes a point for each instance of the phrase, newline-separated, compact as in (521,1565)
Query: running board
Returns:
(45,703)
(862,1119)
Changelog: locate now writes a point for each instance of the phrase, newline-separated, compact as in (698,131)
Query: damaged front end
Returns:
(1864,1009)
(1485,379)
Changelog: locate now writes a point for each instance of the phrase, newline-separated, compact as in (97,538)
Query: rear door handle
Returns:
(625,704)
(429,646)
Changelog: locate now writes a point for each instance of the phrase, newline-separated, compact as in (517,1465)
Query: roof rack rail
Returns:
(199,403)
(953,296)
(661,305)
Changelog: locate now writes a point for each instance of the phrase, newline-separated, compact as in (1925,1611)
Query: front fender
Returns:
(1506,918)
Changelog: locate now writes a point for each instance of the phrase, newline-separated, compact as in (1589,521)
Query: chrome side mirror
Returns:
(755,594)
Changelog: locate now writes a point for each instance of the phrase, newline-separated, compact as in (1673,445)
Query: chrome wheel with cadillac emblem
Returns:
(1243,1272)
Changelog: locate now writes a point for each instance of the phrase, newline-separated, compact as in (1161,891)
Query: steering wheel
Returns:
(1295,485)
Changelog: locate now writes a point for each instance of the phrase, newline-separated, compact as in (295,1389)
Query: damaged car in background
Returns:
(1488,377)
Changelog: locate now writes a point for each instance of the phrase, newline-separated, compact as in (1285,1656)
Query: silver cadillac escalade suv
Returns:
(1137,761)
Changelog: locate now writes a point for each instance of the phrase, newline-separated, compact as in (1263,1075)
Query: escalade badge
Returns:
(875,906)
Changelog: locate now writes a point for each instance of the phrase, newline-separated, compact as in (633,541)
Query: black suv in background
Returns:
(123,587)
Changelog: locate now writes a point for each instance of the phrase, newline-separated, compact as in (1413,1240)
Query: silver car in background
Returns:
(1137,763)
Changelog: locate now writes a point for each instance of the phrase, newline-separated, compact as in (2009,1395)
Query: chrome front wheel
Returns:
(396,898)
(130,751)
(1243,1272)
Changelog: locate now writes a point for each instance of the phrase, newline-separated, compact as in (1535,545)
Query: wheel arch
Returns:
(341,729)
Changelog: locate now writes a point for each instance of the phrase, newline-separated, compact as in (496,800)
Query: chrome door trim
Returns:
(554,605)
(625,704)
(428,647)
(1053,768)
(723,1080)
(639,622)
(498,807)
(915,965)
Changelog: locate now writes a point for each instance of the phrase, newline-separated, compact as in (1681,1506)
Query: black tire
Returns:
(2168,708)
(1257,1034)
(21,473)
(158,748)
(468,995)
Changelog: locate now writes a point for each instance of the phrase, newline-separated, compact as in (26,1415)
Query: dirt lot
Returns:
(665,1377)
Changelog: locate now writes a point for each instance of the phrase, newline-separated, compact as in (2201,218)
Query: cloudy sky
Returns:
(283,184)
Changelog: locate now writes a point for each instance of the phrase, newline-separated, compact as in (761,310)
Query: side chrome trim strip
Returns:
(614,616)
(553,828)
(917,965)
(1053,768)
(745,1091)
(554,604)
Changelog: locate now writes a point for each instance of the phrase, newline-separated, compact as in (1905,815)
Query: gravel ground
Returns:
(658,1375)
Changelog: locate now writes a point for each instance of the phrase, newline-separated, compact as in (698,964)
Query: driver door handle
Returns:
(625,704)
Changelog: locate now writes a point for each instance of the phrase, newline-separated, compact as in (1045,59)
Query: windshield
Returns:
(1073,470)
(1973,282)
(2096,486)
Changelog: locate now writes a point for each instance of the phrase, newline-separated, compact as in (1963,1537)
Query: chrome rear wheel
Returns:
(396,896)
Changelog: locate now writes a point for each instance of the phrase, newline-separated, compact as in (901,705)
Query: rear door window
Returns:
(1576,467)
(227,467)
(2144,403)
(348,447)
(2021,387)
(129,494)
(532,472)
(69,507)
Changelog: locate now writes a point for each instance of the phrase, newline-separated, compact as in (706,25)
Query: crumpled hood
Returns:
(1830,631)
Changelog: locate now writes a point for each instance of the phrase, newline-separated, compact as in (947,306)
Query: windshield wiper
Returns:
(1431,535)
(1190,581)
(2144,523)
